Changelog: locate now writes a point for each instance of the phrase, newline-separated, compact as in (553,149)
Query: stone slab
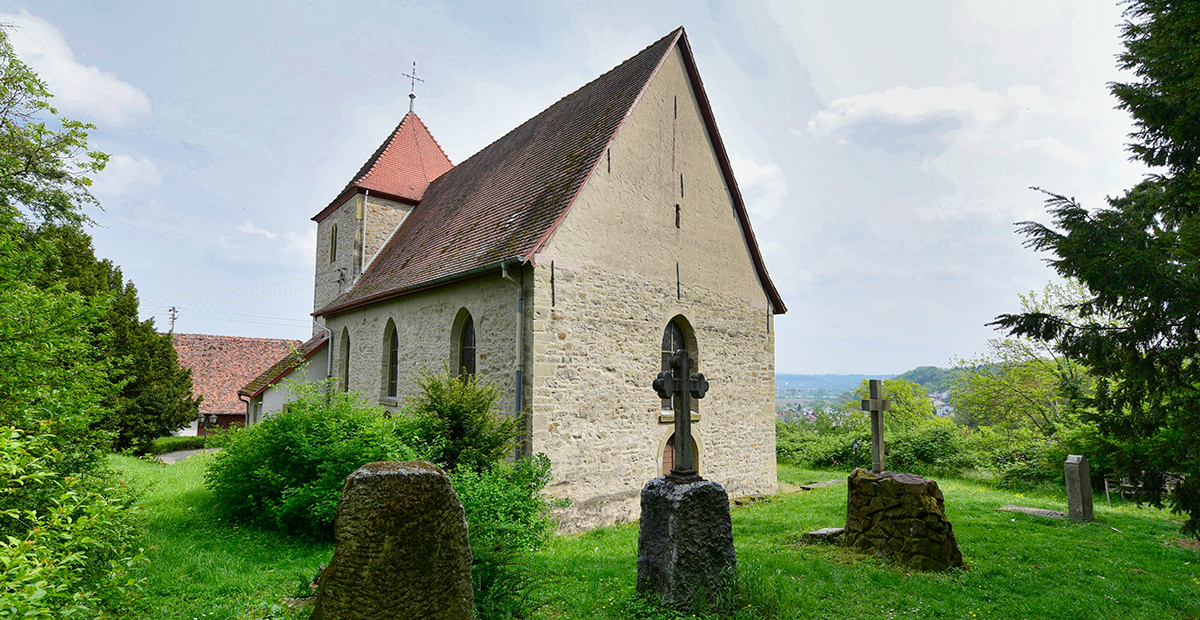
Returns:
(825,533)
(686,558)
(1078,474)
(1037,512)
(401,548)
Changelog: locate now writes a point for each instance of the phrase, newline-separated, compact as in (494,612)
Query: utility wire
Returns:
(231,290)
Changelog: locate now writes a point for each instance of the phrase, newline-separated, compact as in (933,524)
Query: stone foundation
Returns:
(901,516)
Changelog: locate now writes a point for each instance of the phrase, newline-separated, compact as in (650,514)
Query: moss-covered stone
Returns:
(402,549)
(902,516)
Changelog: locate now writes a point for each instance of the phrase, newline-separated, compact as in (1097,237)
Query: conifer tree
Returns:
(1139,257)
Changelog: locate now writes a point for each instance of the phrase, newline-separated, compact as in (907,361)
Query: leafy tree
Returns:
(910,404)
(1139,258)
(156,396)
(1024,382)
(65,529)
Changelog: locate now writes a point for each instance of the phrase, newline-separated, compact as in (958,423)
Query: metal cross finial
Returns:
(877,404)
(412,96)
(681,389)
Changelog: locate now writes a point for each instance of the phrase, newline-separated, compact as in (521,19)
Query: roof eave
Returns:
(470,274)
(320,343)
(354,190)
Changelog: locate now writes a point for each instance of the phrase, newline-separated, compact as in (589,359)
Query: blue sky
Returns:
(885,149)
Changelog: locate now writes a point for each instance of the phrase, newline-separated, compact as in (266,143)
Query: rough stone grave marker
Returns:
(1079,488)
(402,548)
(686,557)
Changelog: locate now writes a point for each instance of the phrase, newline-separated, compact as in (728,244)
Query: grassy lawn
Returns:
(1128,564)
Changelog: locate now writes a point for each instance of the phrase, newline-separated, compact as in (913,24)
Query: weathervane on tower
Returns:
(412,96)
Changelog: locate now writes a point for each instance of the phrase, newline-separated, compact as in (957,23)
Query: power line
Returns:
(231,290)
(219,302)
(255,316)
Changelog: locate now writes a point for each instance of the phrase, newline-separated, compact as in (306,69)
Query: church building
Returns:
(562,263)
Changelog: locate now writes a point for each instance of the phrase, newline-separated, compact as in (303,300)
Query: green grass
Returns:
(1126,565)
(201,567)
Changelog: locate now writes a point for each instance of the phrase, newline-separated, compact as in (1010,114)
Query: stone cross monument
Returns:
(1079,488)
(681,388)
(877,404)
(686,558)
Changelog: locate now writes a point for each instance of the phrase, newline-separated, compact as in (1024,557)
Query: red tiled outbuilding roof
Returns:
(290,362)
(400,169)
(222,364)
(503,203)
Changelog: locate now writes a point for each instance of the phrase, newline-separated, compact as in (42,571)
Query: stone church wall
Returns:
(652,235)
(426,324)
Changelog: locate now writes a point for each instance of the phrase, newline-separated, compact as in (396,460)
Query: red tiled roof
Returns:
(400,169)
(222,364)
(503,203)
(272,375)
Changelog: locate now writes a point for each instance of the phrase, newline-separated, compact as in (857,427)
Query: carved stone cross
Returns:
(681,389)
(877,404)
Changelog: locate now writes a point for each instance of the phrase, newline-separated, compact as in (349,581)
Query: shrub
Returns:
(456,413)
(507,517)
(287,471)
(936,447)
(67,541)
(163,445)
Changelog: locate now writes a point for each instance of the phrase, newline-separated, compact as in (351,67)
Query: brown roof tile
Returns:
(288,363)
(504,202)
(222,364)
(400,169)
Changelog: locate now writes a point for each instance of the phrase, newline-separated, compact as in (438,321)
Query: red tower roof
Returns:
(400,169)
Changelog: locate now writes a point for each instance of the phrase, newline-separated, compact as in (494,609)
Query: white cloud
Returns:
(762,185)
(902,105)
(77,88)
(250,229)
(1055,148)
(126,176)
(304,244)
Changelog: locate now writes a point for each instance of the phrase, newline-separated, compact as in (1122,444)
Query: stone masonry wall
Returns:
(651,236)
(380,219)
(425,323)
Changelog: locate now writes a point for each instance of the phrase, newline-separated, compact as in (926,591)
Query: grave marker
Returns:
(1079,488)
(877,404)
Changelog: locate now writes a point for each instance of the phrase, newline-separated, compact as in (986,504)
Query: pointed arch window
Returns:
(393,362)
(345,361)
(675,337)
(466,348)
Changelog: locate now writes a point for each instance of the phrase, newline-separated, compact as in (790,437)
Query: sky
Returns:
(885,149)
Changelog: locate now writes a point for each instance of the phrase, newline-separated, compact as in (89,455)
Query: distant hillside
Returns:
(933,378)
(834,384)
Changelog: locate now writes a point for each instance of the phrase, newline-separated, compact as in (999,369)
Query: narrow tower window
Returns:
(676,216)
(333,242)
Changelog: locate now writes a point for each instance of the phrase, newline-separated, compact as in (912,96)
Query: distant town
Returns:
(806,396)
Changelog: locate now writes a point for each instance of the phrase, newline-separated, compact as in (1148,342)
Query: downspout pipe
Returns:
(520,350)
(328,357)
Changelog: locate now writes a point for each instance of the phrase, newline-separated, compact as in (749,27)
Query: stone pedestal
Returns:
(902,516)
(1079,488)
(686,558)
(402,549)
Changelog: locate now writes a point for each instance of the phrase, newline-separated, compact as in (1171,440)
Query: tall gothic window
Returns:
(466,349)
(345,361)
(672,341)
(393,362)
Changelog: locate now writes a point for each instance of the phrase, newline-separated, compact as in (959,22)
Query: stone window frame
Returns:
(464,326)
(693,347)
(390,368)
(666,442)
